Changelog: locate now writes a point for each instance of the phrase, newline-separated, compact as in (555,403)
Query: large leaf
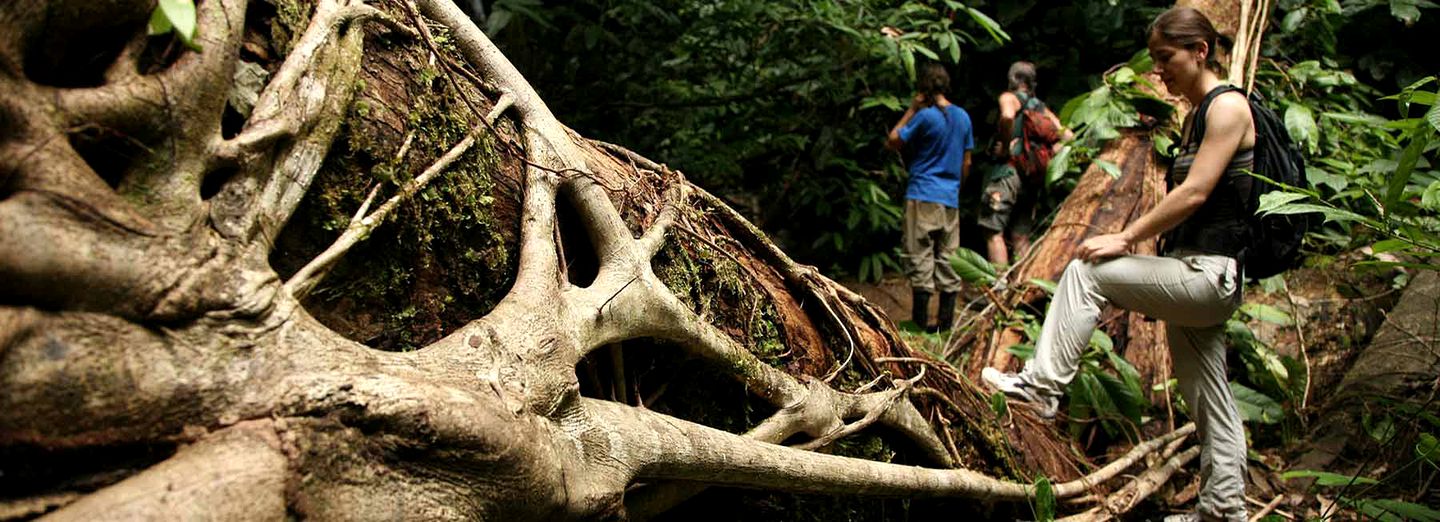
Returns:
(1387,510)
(1270,201)
(1128,400)
(972,267)
(1326,478)
(1255,406)
(1300,121)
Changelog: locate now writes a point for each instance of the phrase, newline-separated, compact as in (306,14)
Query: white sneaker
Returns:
(1015,388)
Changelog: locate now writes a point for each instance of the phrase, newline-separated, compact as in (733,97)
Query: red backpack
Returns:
(1037,132)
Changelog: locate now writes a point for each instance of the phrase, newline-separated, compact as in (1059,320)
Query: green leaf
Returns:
(1140,62)
(1110,168)
(1266,313)
(1122,76)
(1058,166)
(1301,124)
(997,405)
(888,101)
(1270,201)
(1273,284)
(1255,406)
(1405,167)
(1405,11)
(972,267)
(1393,509)
(1292,21)
(1326,478)
(1128,401)
(1101,340)
(1024,351)
(159,24)
(927,52)
(1044,501)
(1433,116)
(1045,284)
(1427,449)
(178,15)
(1430,199)
(989,24)
(1318,176)
(1389,245)
(1330,213)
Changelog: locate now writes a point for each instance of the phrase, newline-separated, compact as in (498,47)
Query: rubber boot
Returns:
(946,316)
(920,308)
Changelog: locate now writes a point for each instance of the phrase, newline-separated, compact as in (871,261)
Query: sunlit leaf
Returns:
(1270,201)
(176,15)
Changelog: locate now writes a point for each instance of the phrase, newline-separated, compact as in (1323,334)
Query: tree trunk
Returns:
(175,335)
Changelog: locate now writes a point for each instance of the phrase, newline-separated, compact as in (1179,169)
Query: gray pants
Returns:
(932,235)
(1194,295)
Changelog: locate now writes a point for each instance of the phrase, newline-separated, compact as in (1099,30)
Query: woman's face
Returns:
(1179,67)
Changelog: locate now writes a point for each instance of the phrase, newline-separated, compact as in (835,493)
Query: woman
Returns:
(1194,288)
(938,137)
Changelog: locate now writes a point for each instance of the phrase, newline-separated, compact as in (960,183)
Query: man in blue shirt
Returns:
(937,137)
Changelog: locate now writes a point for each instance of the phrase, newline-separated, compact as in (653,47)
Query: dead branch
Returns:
(310,275)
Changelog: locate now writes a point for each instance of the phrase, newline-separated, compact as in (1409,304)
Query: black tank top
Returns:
(1218,226)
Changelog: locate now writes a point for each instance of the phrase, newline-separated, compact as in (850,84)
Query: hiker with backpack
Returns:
(1208,217)
(936,137)
(1029,135)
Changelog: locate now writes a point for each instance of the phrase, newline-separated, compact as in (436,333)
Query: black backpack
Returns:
(1272,242)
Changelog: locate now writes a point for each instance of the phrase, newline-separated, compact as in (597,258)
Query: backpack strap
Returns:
(1197,124)
(1017,127)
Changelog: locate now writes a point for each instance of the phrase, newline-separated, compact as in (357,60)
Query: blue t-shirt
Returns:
(937,143)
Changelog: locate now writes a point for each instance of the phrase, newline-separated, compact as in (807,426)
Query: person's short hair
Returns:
(1022,74)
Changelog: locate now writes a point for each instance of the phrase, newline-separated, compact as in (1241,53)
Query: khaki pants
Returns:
(1194,295)
(932,235)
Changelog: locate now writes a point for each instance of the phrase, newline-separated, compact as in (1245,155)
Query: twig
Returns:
(1300,338)
(305,280)
(1267,509)
(1283,514)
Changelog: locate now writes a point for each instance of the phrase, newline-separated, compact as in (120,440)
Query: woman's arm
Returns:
(1226,126)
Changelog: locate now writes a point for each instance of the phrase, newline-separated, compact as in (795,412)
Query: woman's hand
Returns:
(1100,248)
